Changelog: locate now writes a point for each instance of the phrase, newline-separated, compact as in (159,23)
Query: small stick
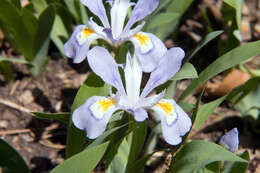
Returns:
(11,132)
(15,106)
(14,88)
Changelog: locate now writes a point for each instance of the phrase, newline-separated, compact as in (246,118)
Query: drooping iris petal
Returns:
(140,115)
(118,14)
(140,11)
(104,65)
(168,66)
(94,115)
(174,121)
(230,140)
(149,49)
(97,7)
(133,78)
(78,44)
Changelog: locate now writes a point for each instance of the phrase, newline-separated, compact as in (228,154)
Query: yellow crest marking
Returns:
(106,103)
(143,39)
(87,32)
(165,106)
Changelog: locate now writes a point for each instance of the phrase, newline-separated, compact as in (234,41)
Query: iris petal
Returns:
(104,65)
(140,11)
(118,14)
(85,119)
(230,139)
(174,121)
(149,50)
(168,66)
(97,7)
(78,44)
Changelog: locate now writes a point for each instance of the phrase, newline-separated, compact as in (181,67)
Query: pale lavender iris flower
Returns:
(149,47)
(230,140)
(95,113)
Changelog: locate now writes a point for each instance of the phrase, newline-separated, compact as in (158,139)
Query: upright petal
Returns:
(118,14)
(94,115)
(149,49)
(140,11)
(97,7)
(230,140)
(78,45)
(174,121)
(168,66)
(133,79)
(104,65)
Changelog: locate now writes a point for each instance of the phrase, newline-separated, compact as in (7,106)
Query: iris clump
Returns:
(150,55)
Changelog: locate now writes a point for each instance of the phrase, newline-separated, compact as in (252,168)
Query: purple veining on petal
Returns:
(167,68)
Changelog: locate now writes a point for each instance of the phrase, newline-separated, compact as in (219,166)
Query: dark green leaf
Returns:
(137,141)
(6,70)
(30,22)
(186,72)
(15,25)
(120,160)
(64,117)
(139,165)
(228,60)
(46,20)
(205,41)
(83,162)
(93,86)
(238,167)
(42,39)
(17,3)
(161,19)
(197,154)
(10,160)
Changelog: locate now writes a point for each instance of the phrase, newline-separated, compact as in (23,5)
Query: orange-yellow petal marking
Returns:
(83,35)
(87,32)
(165,106)
(100,107)
(143,39)
(106,103)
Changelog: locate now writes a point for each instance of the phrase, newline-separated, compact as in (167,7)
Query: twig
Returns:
(52,145)
(15,106)
(14,88)
(11,132)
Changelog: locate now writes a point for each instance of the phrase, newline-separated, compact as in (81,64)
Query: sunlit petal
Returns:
(78,45)
(149,49)
(141,10)
(133,78)
(94,115)
(174,121)
(97,7)
(118,15)
(168,66)
(104,65)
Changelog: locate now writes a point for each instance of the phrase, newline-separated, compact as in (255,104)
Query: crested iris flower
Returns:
(95,113)
(230,140)
(148,48)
